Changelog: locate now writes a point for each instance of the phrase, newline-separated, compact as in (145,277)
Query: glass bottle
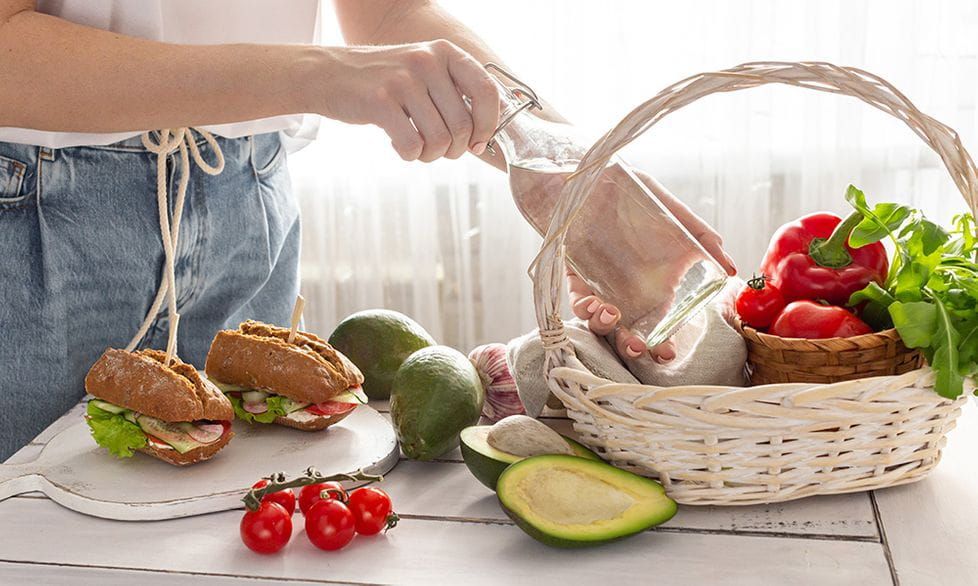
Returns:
(623,242)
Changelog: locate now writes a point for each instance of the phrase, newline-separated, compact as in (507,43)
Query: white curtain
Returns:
(444,242)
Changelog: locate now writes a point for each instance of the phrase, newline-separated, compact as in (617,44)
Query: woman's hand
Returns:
(416,93)
(603,317)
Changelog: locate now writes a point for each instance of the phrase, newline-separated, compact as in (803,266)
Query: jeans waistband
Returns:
(135,143)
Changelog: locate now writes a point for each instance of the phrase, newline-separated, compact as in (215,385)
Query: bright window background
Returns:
(444,243)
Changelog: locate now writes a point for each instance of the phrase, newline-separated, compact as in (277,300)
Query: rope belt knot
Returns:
(162,143)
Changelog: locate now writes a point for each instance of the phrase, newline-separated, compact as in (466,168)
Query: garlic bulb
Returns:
(502,398)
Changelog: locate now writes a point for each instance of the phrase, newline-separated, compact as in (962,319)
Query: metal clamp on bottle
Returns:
(522,91)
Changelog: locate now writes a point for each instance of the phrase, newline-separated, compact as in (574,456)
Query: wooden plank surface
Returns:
(422,551)
(449,491)
(39,574)
(931,527)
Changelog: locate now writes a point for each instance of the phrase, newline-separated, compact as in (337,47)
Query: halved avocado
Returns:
(566,501)
(486,462)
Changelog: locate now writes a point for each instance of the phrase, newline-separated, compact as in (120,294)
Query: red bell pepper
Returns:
(810,258)
(807,319)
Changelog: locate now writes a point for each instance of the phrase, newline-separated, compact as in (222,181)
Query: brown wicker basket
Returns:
(773,359)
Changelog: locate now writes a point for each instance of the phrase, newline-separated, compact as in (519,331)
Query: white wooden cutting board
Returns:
(73,471)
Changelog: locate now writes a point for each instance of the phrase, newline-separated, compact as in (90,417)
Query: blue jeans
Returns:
(81,260)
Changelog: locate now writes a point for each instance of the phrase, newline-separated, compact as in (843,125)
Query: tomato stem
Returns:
(757,282)
(391,522)
(279,481)
(831,252)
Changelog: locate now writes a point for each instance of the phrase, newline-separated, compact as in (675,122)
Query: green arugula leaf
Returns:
(114,432)
(886,218)
(915,321)
(948,381)
(876,300)
(275,409)
(931,291)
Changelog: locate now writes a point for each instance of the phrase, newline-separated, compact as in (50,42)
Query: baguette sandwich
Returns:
(305,384)
(168,412)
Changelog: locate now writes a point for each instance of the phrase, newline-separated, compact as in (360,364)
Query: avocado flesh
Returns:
(566,501)
(486,462)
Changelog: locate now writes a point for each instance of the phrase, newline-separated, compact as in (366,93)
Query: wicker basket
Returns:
(772,359)
(776,442)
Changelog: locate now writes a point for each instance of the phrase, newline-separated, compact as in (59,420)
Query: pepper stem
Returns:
(831,252)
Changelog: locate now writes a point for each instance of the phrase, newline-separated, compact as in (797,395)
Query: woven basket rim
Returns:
(863,340)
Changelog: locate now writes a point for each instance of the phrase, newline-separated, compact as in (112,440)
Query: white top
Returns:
(190,22)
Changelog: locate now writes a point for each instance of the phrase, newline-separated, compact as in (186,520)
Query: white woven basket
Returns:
(713,445)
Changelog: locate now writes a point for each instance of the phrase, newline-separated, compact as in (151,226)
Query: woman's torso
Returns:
(195,22)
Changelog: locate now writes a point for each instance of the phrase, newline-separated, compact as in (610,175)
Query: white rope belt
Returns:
(166,142)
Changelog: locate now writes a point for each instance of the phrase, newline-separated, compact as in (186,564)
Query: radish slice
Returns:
(255,407)
(206,433)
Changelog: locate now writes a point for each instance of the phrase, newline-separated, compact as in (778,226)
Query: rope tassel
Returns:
(162,143)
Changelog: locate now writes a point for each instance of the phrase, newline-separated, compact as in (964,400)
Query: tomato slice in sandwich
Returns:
(327,408)
(343,403)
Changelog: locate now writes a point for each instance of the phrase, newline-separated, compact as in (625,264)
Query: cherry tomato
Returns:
(759,302)
(266,530)
(312,494)
(330,525)
(807,319)
(286,497)
(372,509)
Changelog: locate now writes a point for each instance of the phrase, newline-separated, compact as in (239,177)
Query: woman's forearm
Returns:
(59,76)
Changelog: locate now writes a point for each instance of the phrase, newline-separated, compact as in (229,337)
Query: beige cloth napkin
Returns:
(709,351)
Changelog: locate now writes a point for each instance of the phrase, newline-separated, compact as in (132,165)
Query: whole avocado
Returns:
(436,394)
(378,341)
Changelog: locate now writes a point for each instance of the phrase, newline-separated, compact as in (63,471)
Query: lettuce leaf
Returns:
(275,409)
(114,432)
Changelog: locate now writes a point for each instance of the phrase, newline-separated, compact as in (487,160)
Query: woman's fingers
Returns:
(417,93)
(664,352)
(457,118)
(427,119)
(604,319)
(628,344)
(585,307)
(475,82)
(404,136)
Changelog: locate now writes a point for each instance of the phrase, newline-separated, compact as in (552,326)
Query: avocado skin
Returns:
(669,510)
(487,469)
(436,393)
(378,341)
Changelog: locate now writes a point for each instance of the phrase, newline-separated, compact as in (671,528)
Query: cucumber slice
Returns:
(291,406)
(253,396)
(106,406)
(170,433)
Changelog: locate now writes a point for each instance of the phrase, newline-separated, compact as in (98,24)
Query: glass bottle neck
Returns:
(530,142)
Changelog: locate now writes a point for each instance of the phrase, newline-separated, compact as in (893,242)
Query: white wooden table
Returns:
(453,532)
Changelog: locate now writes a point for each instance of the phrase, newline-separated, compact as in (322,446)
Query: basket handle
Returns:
(547,268)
